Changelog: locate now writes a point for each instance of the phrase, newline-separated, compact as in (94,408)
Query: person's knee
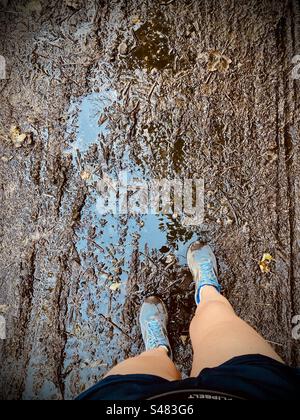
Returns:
(157,358)
(212,312)
(216,306)
(160,363)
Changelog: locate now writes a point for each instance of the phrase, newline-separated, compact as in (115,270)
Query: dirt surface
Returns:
(105,86)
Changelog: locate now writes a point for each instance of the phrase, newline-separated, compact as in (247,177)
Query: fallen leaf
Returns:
(85,175)
(4,309)
(115,287)
(183,339)
(265,263)
(216,61)
(17,137)
(123,48)
(5,159)
(77,330)
(135,20)
(171,259)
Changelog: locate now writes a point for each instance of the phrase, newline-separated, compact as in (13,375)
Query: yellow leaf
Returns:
(171,259)
(17,136)
(183,339)
(218,62)
(4,308)
(85,175)
(14,131)
(115,287)
(265,263)
(135,20)
(268,257)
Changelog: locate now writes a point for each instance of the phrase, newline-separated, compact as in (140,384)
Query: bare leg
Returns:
(218,335)
(154,362)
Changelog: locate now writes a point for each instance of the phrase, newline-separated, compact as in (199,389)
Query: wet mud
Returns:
(161,90)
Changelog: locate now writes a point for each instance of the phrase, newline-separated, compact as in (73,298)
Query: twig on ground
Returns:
(232,209)
(167,3)
(152,90)
(115,325)
(274,343)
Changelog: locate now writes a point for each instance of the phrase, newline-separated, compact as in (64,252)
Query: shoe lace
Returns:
(155,334)
(207,269)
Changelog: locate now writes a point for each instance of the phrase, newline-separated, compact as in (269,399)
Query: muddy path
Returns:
(180,89)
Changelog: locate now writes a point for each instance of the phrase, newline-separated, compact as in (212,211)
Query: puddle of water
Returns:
(85,115)
(156,232)
(108,252)
(153,50)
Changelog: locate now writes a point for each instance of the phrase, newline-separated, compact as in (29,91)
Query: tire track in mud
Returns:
(293,164)
(30,341)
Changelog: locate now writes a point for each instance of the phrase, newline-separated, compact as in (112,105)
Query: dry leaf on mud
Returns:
(171,259)
(135,20)
(216,61)
(115,287)
(6,159)
(183,339)
(77,330)
(123,48)
(17,137)
(265,263)
(86,175)
(4,309)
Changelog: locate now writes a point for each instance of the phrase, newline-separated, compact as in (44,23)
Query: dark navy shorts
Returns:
(252,377)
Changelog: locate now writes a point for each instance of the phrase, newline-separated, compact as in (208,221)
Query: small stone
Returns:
(123,48)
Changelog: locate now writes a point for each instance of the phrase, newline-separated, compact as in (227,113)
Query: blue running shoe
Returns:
(153,322)
(203,265)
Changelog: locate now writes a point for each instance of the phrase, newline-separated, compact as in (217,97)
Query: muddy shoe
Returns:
(153,321)
(203,265)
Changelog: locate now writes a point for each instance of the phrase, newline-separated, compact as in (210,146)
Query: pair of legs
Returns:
(217,335)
